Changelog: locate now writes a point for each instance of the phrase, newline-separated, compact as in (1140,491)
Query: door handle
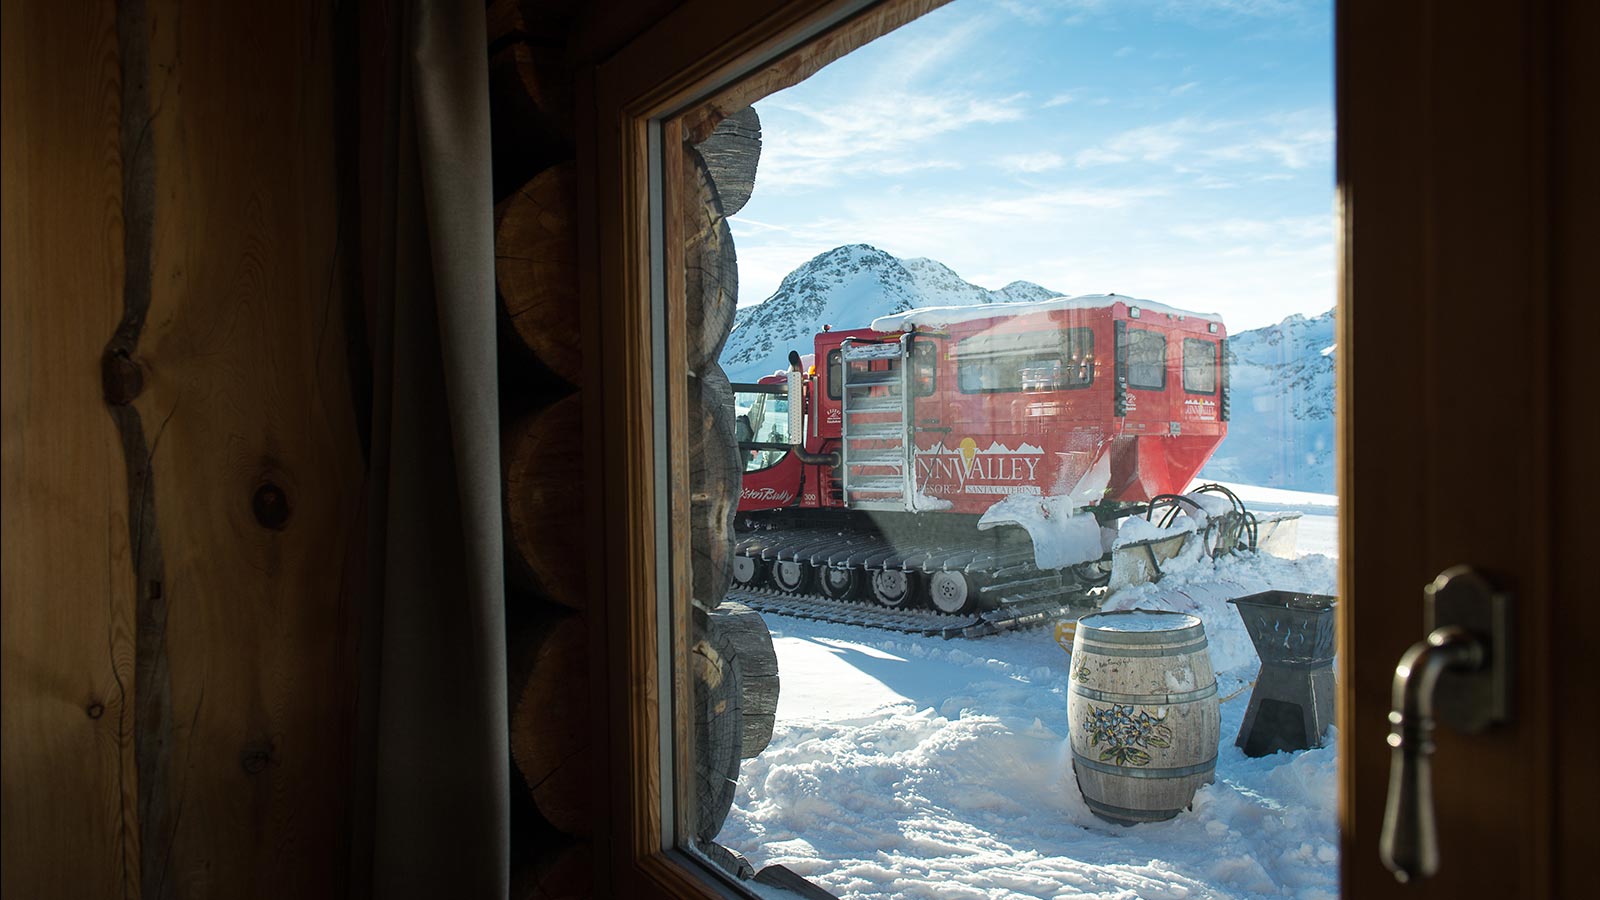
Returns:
(1460,673)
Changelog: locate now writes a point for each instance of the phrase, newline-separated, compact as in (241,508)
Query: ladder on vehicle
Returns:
(877,426)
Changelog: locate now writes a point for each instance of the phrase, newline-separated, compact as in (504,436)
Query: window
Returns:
(835,373)
(1147,359)
(1199,366)
(761,426)
(1041,361)
(924,368)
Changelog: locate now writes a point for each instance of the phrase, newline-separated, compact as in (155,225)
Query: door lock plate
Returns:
(1471,701)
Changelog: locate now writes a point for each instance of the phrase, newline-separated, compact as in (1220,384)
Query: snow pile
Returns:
(922,768)
(1059,538)
(945,316)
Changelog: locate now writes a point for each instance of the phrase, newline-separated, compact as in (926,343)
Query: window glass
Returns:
(761,426)
(1147,359)
(1040,361)
(954,383)
(1199,366)
(924,367)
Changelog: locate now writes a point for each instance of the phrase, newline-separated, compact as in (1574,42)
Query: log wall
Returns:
(182,461)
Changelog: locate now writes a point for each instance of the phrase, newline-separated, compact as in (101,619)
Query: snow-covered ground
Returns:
(918,767)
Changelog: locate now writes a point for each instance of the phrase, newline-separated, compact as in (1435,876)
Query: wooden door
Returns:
(1461,130)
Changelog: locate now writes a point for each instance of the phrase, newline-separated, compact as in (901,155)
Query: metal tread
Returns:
(1025,612)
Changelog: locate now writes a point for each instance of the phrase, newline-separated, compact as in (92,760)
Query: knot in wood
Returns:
(271,506)
(255,758)
(95,710)
(121,379)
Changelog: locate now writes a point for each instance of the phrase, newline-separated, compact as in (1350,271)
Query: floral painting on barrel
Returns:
(1127,733)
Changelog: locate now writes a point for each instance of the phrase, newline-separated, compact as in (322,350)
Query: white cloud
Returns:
(1061,99)
(1201,9)
(1292,141)
(1184,88)
(1291,228)
(871,134)
(1146,144)
(1027,163)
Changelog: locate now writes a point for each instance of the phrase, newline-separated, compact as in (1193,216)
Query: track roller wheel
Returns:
(789,576)
(951,592)
(893,588)
(838,583)
(746,571)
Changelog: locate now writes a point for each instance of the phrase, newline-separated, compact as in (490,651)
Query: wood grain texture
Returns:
(254,449)
(543,458)
(732,153)
(549,738)
(713,486)
(68,802)
(536,268)
(710,266)
(757,662)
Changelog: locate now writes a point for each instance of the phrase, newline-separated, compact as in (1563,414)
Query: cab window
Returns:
(1199,366)
(1038,361)
(761,426)
(1147,359)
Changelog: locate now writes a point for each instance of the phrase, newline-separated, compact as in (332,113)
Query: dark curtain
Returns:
(432,770)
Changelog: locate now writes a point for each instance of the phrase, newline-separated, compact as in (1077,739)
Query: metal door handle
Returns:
(1461,669)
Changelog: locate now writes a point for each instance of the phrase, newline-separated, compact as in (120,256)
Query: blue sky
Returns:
(1174,151)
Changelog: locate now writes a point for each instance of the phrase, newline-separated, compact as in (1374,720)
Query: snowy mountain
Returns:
(847,287)
(1282,383)
(1281,434)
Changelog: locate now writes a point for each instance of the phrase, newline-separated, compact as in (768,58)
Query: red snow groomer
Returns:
(989,458)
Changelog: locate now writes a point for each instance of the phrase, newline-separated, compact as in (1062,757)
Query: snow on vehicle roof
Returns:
(944,316)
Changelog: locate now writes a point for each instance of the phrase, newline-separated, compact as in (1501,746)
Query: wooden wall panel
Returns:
(66,582)
(256,459)
(178,694)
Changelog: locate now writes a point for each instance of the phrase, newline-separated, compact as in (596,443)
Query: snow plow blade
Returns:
(1278,534)
(1141,561)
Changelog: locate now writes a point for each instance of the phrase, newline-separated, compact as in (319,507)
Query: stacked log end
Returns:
(716,709)
(536,268)
(713,486)
(757,662)
(710,269)
(732,666)
(550,724)
(731,154)
(542,454)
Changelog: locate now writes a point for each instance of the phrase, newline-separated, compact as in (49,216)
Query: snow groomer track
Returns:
(1011,617)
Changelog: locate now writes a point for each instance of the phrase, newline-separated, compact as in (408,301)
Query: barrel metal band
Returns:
(1090,693)
(1203,768)
(1185,650)
(1106,636)
(1131,815)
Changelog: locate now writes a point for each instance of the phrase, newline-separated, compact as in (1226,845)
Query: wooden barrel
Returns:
(1142,707)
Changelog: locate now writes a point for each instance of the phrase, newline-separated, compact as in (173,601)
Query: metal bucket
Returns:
(1142,706)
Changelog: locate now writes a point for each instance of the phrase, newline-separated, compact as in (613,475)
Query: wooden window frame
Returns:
(635,109)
